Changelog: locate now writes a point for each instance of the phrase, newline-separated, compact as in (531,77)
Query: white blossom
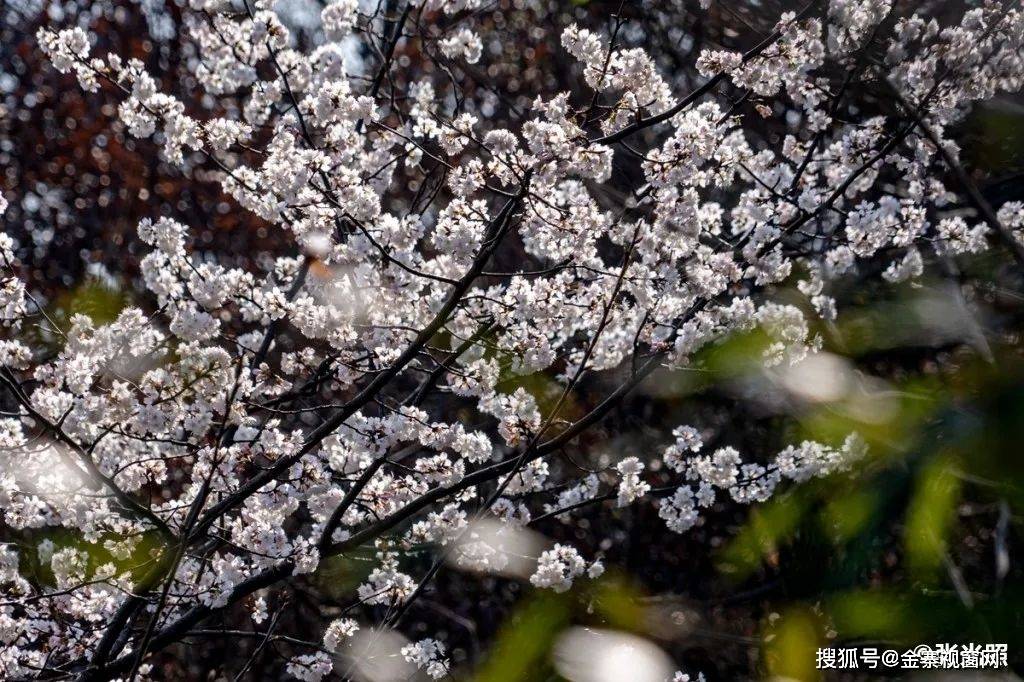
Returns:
(557,568)
(427,655)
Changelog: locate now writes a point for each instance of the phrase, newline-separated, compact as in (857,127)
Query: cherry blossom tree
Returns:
(362,384)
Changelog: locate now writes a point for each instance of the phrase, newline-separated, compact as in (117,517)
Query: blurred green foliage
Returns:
(523,649)
(98,300)
(873,555)
(790,650)
(887,534)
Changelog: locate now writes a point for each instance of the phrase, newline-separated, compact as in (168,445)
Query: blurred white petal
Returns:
(818,378)
(491,546)
(375,656)
(590,655)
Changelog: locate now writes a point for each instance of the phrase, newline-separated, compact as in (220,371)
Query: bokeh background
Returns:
(921,543)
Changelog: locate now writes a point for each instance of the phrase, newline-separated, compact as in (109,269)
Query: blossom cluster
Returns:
(371,386)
